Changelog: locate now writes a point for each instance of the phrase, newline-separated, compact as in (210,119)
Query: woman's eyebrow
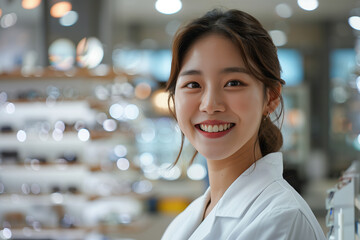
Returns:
(235,69)
(190,72)
(225,70)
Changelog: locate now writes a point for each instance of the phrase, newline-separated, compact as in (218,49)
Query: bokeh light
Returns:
(123,164)
(21,136)
(89,52)
(308,5)
(116,111)
(168,173)
(30,4)
(354,22)
(59,9)
(9,108)
(109,125)
(8,20)
(131,111)
(196,172)
(120,150)
(279,37)
(62,54)
(69,19)
(57,135)
(84,135)
(168,6)
(160,100)
(57,198)
(283,10)
(146,159)
(6,233)
(142,90)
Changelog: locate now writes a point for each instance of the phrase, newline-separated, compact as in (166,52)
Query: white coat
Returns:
(259,205)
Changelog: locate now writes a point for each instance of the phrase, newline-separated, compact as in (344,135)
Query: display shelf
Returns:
(50,73)
(50,199)
(343,206)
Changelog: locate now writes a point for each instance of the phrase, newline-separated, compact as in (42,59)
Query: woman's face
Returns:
(218,105)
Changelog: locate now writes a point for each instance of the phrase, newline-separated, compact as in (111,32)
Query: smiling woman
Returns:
(224,83)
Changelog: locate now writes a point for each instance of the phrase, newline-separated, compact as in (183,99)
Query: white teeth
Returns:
(214,128)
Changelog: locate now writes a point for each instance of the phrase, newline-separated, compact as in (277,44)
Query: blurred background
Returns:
(85,136)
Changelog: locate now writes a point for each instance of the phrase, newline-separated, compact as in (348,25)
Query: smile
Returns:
(216,128)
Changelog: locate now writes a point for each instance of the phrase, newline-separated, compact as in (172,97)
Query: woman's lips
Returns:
(214,128)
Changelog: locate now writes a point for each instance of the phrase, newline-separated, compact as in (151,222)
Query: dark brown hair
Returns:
(259,55)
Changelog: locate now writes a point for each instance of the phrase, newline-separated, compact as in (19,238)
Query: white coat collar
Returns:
(244,190)
(249,185)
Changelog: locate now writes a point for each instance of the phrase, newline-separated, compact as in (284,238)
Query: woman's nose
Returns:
(212,102)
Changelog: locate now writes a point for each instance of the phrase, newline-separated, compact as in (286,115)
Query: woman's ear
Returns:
(273,99)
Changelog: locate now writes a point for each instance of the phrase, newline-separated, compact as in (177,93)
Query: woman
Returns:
(224,83)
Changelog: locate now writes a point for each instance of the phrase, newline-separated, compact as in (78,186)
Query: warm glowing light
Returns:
(160,101)
(354,22)
(60,9)
(30,4)
(295,118)
(168,6)
(0,12)
(308,5)
(142,90)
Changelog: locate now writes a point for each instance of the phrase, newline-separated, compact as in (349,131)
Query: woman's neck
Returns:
(222,173)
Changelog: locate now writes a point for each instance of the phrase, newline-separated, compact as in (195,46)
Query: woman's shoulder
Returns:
(280,205)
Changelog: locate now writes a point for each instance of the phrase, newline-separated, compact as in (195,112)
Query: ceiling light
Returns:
(284,10)
(354,22)
(168,6)
(279,37)
(60,9)
(30,4)
(308,5)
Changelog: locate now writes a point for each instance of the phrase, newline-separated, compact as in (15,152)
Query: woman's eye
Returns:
(193,85)
(234,83)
